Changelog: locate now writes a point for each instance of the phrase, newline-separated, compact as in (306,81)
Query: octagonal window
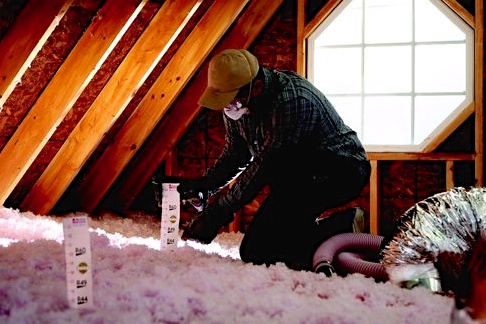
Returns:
(396,70)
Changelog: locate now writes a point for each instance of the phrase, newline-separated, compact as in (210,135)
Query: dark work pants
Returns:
(284,227)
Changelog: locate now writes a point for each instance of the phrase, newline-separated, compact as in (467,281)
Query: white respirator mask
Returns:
(235,109)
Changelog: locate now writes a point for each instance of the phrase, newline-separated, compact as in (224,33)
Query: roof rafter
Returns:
(109,104)
(65,87)
(157,101)
(28,34)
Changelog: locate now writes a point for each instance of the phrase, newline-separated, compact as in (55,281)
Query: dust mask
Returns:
(235,110)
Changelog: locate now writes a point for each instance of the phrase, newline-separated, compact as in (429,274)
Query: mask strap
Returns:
(249,94)
(251,78)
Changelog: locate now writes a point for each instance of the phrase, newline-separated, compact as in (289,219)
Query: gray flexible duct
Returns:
(439,231)
(356,262)
(348,251)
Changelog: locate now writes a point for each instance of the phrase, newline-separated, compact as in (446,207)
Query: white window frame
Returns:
(459,114)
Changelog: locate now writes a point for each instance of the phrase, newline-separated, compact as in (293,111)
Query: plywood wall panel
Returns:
(9,10)
(43,67)
(277,45)
(430,178)
(34,172)
(195,141)
(404,183)
(390,210)
(205,141)
(27,35)
(105,72)
(215,137)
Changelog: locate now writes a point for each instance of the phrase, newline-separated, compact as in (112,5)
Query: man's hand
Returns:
(194,193)
(205,225)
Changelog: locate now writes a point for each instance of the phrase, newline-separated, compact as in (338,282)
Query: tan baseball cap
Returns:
(227,73)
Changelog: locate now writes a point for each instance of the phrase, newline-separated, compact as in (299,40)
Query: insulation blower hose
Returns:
(348,251)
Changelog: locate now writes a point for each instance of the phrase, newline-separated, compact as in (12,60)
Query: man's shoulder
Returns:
(288,74)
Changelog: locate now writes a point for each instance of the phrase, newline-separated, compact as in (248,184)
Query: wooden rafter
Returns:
(25,38)
(157,101)
(479,92)
(109,104)
(447,128)
(418,156)
(63,90)
(374,198)
(172,128)
(320,16)
(463,13)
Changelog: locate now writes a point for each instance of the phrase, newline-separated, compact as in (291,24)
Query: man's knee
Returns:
(255,255)
(258,251)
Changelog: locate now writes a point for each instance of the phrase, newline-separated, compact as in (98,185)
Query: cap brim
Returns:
(216,100)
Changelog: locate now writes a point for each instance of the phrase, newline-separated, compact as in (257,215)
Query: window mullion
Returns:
(363,69)
(413,94)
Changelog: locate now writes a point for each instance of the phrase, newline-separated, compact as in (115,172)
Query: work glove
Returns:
(194,192)
(204,226)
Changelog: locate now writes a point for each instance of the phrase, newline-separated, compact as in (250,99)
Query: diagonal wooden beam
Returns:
(109,104)
(73,76)
(157,101)
(325,11)
(173,127)
(462,12)
(25,38)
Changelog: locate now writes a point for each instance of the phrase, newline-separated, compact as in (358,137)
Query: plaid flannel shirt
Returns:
(290,112)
